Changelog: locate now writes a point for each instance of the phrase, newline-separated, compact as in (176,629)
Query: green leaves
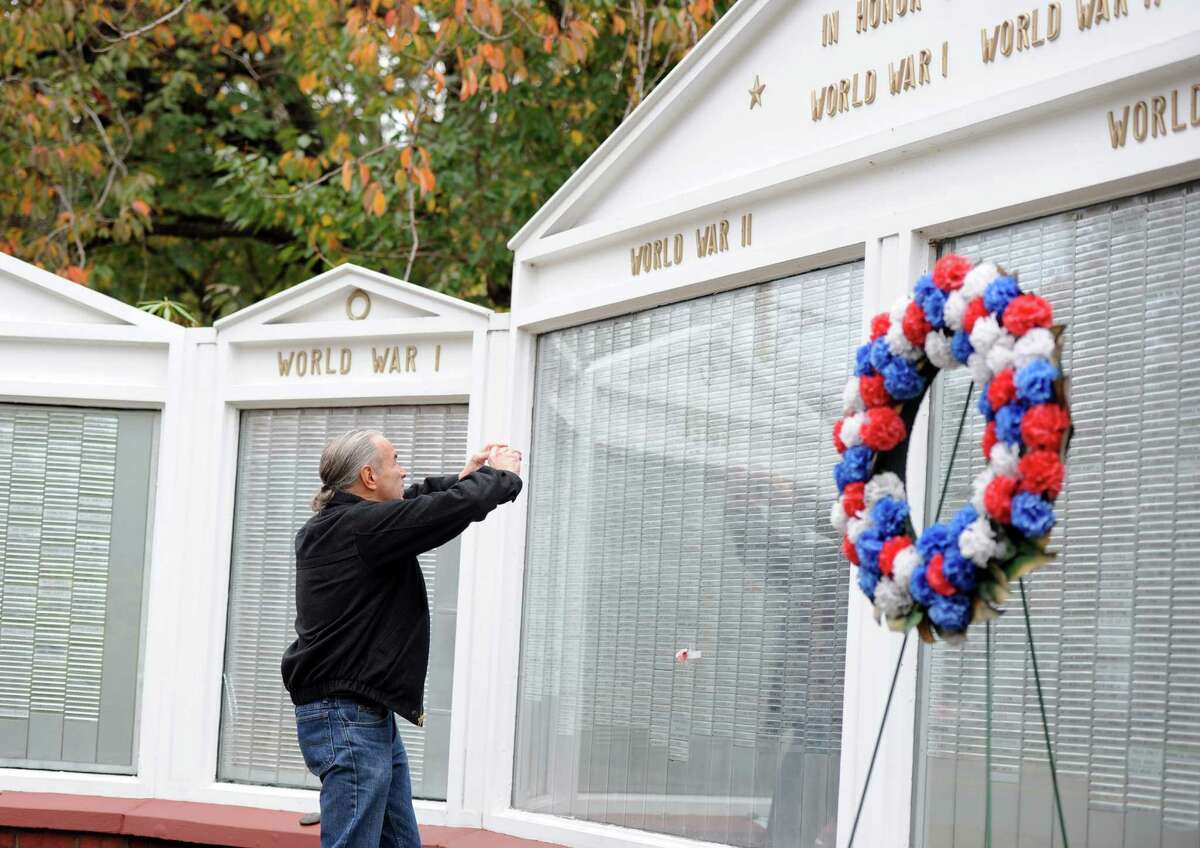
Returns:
(201,163)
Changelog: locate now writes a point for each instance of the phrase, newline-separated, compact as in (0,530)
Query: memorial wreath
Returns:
(953,573)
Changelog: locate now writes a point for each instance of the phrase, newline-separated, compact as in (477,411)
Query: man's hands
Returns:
(501,457)
(504,458)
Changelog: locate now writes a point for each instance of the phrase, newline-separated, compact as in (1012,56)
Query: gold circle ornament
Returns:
(358,294)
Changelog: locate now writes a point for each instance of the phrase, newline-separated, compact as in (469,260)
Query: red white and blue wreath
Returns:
(955,572)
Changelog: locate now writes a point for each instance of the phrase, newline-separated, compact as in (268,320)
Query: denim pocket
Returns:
(316,741)
(360,715)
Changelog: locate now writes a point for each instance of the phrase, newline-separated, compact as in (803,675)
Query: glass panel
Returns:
(1118,647)
(680,491)
(74,511)
(277,477)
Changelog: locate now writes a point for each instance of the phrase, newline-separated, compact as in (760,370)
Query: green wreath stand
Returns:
(1037,678)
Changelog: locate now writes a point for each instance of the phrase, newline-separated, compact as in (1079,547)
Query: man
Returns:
(362,625)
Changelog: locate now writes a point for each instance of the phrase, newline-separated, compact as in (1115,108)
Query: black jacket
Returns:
(362,616)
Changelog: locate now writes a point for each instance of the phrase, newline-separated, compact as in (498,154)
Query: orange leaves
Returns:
(198,23)
(618,25)
(498,82)
(75,274)
(229,35)
(470,84)
(425,179)
(493,55)
(347,175)
(141,207)
(374,201)
(487,13)
(364,55)
(438,79)
(308,82)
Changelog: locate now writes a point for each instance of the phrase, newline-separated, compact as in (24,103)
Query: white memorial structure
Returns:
(685,313)
(658,644)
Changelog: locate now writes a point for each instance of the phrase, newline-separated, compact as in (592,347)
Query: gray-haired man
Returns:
(362,624)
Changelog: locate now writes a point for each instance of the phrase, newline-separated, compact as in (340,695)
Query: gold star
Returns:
(756,92)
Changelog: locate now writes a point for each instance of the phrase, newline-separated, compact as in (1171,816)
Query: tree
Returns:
(195,156)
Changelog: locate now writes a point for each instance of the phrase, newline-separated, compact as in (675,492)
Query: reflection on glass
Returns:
(680,494)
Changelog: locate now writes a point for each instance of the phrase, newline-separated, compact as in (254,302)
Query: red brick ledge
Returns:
(189,822)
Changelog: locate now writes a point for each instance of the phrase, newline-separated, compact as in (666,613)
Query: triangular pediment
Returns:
(351,294)
(30,295)
(348,303)
(783,94)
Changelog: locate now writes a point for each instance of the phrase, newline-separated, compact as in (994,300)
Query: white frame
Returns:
(194,765)
(143,338)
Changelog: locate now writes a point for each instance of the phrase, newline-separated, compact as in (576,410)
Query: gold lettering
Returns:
(1120,7)
(1085,13)
(871,84)
(379,363)
(678,248)
(1176,124)
(746,230)
(1053,21)
(345,358)
(1196,105)
(285,365)
(394,366)
(701,244)
(1006,38)
(1102,12)
(1158,105)
(301,363)
(710,233)
(410,358)
(902,7)
(855,100)
(437,358)
(844,96)
(926,58)
(635,266)
(1037,40)
(831,100)
(990,45)
(1141,120)
(860,16)
(915,5)
(1119,131)
(316,361)
(644,254)
(895,77)
(874,6)
(889,11)
(829,28)
(1023,42)
(329,368)
(666,252)
(910,73)
(724,234)
(945,59)
(818,106)
(657,254)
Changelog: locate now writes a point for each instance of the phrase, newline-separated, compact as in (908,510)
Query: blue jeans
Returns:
(366,789)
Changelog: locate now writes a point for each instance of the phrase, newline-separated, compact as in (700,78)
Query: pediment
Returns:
(353,295)
(873,94)
(30,295)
